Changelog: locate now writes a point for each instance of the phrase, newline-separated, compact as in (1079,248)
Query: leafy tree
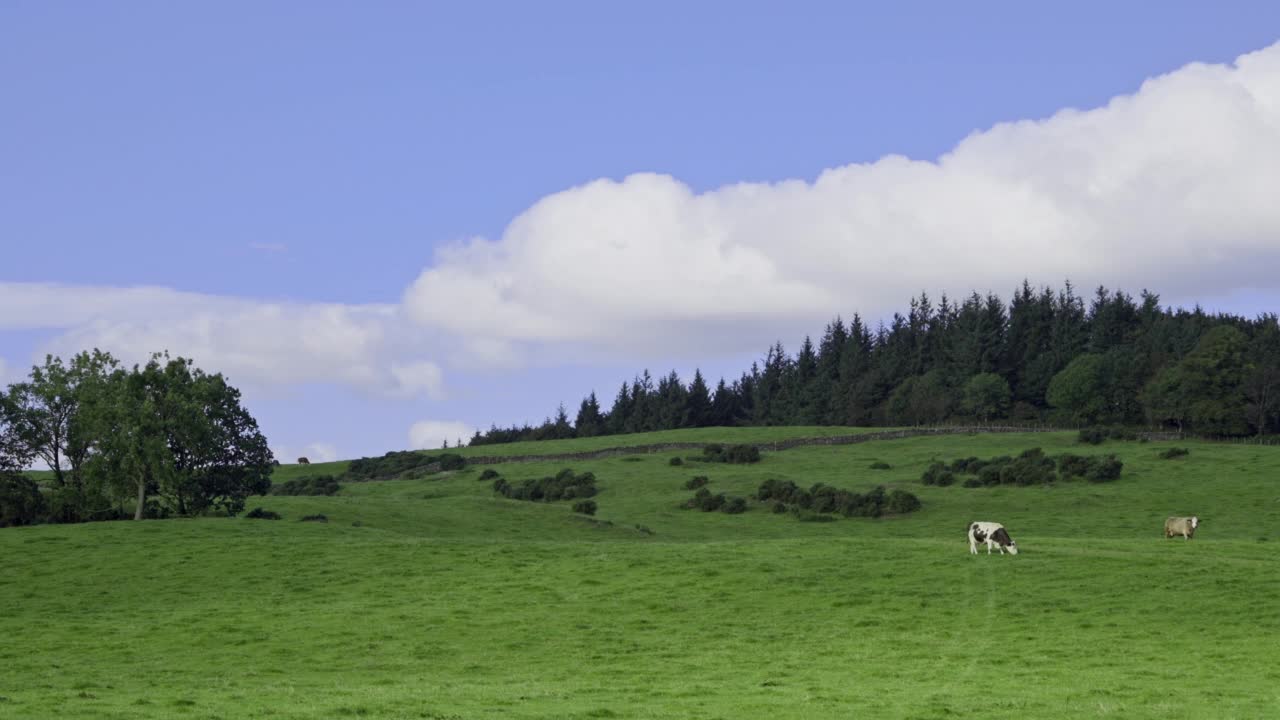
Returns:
(171,430)
(1206,387)
(986,395)
(1077,390)
(1262,380)
(47,413)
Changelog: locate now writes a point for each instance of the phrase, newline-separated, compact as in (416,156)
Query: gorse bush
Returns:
(488,474)
(706,501)
(736,454)
(261,514)
(823,499)
(566,485)
(315,518)
(400,463)
(1031,467)
(586,507)
(312,485)
(696,482)
(1174,452)
(881,466)
(675,462)
(938,474)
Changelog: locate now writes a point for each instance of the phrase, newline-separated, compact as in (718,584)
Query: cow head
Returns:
(1002,536)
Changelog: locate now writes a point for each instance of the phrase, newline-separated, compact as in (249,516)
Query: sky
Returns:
(393,223)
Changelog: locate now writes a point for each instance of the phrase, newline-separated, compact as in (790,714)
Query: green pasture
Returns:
(433,598)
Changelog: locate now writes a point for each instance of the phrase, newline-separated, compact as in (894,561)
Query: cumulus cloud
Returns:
(1171,187)
(431,434)
(260,343)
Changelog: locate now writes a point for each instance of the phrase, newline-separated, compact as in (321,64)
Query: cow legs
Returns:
(973,547)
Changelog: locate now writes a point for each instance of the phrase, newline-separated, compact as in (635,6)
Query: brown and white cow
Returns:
(1184,526)
(992,534)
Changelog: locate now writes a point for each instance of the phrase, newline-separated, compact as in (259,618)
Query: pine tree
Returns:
(698,410)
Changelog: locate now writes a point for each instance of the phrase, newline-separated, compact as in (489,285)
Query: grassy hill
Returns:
(433,598)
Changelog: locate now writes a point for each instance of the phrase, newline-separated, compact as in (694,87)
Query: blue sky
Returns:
(376,215)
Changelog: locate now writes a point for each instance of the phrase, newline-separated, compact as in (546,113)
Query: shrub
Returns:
(735,506)
(566,485)
(1107,470)
(1174,452)
(488,474)
(779,508)
(1092,436)
(881,466)
(809,516)
(451,461)
(696,482)
(961,465)
(311,485)
(261,514)
(1075,466)
(938,474)
(973,483)
(989,475)
(737,454)
(675,462)
(902,502)
(314,518)
(586,507)
(21,502)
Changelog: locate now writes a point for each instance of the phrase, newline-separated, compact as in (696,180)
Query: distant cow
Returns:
(1184,526)
(303,461)
(991,534)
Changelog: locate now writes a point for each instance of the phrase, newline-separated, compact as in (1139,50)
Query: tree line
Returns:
(1047,355)
(154,440)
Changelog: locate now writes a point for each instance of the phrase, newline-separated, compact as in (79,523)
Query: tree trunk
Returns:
(142,500)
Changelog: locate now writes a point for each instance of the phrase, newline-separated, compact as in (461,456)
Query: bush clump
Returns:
(488,474)
(826,500)
(1107,470)
(706,501)
(400,463)
(938,474)
(262,514)
(696,482)
(1174,452)
(21,502)
(311,485)
(675,461)
(314,518)
(1091,436)
(586,507)
(879,465)
(901,502)
(735,454)
(566,485)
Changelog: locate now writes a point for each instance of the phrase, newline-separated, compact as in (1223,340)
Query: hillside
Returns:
(433,598)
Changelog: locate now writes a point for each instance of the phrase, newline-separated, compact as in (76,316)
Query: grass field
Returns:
(434,599)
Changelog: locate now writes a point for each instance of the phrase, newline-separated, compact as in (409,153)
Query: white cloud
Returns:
(431,434)
(259,343)
(1170,188)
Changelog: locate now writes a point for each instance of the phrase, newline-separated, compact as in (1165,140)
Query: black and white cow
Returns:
(992,534)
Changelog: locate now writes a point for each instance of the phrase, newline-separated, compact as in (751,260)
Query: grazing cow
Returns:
(1184,526)
(992,534)
(303,461)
